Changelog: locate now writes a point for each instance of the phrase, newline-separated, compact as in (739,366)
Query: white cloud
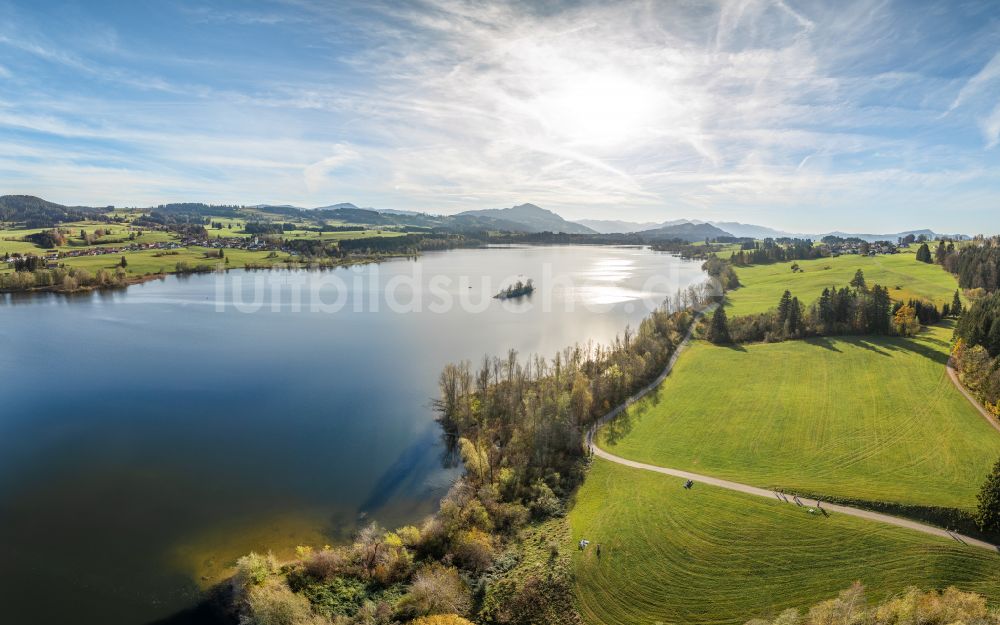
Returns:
(317,175)
(651,108)
(991,128)
(980,81)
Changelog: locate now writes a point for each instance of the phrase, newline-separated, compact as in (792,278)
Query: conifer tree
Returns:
(859,280)
(956,305)
(988,512)
(924,254)
(827,314)
(718,331)
(993,338)
(783,306)
(940,253)
(794,323)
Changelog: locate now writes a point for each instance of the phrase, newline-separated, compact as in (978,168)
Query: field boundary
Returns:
(972,400)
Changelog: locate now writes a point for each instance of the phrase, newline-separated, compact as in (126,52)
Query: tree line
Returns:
(857,309)
(61,278)
(976,356)
(977,265)
(772,251)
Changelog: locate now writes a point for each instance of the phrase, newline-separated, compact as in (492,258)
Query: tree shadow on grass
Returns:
(867,345)
(931,339)
(918,347)
(619,427)
(823,342)
(736,347)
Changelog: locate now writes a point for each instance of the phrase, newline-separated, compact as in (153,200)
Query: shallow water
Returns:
(150,436)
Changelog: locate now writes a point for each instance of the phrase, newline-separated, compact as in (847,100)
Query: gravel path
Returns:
(972,400)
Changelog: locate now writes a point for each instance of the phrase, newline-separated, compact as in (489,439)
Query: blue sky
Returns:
(858,116)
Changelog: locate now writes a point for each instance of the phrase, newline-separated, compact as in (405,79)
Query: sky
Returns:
(805,116)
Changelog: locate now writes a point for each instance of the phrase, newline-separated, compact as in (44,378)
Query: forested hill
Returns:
(530,217)
(34,212)
(685,231)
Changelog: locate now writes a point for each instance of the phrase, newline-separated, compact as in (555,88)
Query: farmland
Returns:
(858,417)
(711,556)
(900,273)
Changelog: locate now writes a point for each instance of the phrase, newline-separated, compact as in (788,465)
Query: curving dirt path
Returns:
(762,492)
(972,400)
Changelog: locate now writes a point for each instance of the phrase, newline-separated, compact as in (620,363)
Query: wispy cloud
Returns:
(794,112)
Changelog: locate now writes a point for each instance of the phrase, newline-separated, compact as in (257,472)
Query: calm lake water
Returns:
(150,436)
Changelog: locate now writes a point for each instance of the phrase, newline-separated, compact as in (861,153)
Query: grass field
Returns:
(161,261)
(711,556)
(901,273)
(862,418)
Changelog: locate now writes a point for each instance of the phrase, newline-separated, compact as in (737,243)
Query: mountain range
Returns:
(737,229)
(528,218)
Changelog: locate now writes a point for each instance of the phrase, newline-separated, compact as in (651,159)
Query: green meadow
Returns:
(904,276)
(163,261)
(711,556)
(857,417)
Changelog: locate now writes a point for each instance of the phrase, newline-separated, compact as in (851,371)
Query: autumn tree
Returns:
(905,321)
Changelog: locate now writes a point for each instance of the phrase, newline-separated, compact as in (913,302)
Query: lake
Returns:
(150,436)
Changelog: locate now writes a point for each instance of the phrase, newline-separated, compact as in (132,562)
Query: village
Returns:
(253,244)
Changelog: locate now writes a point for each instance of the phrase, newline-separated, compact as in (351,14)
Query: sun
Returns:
(601,108)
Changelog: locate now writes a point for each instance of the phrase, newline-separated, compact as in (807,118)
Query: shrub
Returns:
(254,569)
(340,596)
(544,502)
(273,603)
(436,589)
(327,563)
(473,550)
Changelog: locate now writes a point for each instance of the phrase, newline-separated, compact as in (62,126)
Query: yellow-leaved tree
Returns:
(906,321)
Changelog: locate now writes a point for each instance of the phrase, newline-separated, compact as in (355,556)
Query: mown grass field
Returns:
(858,417)
(711,556)
(901,273)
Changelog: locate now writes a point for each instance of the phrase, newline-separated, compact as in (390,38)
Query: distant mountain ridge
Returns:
(742,230)
(686,231)
(530,216)
(612,226)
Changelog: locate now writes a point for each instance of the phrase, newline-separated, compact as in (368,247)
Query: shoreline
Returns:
(135,280)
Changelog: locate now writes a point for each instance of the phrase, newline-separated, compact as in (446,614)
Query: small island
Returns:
(518,289)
